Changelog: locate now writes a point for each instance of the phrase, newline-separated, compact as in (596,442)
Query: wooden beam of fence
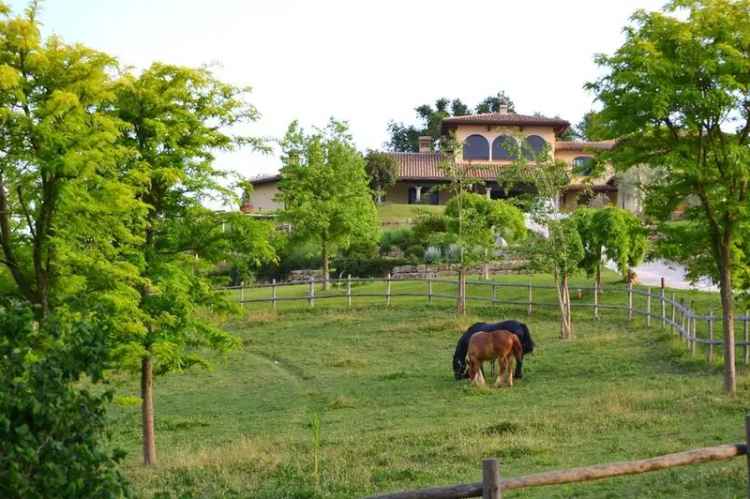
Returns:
(584,474)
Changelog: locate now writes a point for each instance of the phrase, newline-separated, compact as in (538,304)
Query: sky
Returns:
(365,62)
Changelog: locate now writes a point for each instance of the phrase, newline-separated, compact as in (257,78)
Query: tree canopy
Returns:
(324,189)
(676,95)
(382,170)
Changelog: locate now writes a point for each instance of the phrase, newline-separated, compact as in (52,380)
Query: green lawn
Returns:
(394,213)
(392,417)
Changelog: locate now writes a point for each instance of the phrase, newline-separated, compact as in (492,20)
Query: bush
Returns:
(367,267)
(291,256)
(51,434)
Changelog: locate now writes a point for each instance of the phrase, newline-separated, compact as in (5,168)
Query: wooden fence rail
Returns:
(492,486)
(683,319)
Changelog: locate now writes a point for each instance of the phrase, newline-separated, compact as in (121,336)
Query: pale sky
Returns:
(365,62)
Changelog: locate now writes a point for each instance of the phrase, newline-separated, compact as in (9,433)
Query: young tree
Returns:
(178,117)
(64,204)
(611,232)
(382,171)
(325,191)
(474,222)
(560,251)
(677,93)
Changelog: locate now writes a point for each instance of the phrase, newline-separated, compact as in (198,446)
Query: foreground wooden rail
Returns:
(492,486)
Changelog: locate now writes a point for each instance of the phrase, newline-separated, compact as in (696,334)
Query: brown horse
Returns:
(491,345)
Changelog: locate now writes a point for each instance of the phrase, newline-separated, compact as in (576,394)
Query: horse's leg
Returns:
(510,373)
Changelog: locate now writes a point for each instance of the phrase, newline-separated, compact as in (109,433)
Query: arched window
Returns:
(583,166)
(476,147)
(504,148)
(534,146)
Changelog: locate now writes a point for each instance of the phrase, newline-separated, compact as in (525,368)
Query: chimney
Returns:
(425,143)
(504,108)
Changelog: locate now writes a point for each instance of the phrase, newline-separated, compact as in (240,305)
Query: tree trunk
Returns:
(568,314)
(598,277)
(147,410)
(326,270)
(727,307)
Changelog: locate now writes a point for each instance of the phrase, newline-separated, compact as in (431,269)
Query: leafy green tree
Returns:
(324,189)
(676,94)
(560,250)
(53,435)
(591,128)
(493,103)
(65,207)
(178,117)
(612,232)
(382,171)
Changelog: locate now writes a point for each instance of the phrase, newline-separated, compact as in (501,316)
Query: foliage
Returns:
(324,189)
(382,170)
(53,438)
(65,206)
(405,138)
(676,94)
(591,128)
(475,223)
(612,232)
(178,117)
(373,266)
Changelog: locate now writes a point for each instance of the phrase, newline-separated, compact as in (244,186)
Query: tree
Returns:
(677,93)
(324,189)
(382,170)
(560,250)
(493,103)
(405,138)
(611,232)
(590,128)
(178,117)
(473,222)
(64,205)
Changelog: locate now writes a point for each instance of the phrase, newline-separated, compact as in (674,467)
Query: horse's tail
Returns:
(517,348)
(528,343)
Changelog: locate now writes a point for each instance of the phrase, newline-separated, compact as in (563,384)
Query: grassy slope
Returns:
(394,213)
(393,418)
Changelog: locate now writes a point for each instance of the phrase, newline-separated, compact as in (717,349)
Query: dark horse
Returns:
(515,327)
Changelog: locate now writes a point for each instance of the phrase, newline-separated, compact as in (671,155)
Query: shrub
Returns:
(52,433)
(367,267)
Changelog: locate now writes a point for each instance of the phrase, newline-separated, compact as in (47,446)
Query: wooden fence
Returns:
(492,486)
(657,307)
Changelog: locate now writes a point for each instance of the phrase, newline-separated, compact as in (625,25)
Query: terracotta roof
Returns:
(504,119)
(266,179)
(603,145)
(426,166)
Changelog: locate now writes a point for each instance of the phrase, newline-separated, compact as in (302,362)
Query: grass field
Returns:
(392,417)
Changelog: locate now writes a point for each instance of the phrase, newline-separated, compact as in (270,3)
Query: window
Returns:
(504,148)
(476,147)
(583,166)
(534,146)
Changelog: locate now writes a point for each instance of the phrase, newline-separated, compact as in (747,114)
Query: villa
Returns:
(486,140)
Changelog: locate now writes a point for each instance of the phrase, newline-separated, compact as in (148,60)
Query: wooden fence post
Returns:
(682,319)
(596,299)
(491,479)
(242,294)
(648,308)
(429,290)
(311,292)
(747,337)
(630,301)
(694,335)
(674,317)
(349,290)
(273,294)
(388,289)
(663,306)
(531,299)
(710,337)
(747,442)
